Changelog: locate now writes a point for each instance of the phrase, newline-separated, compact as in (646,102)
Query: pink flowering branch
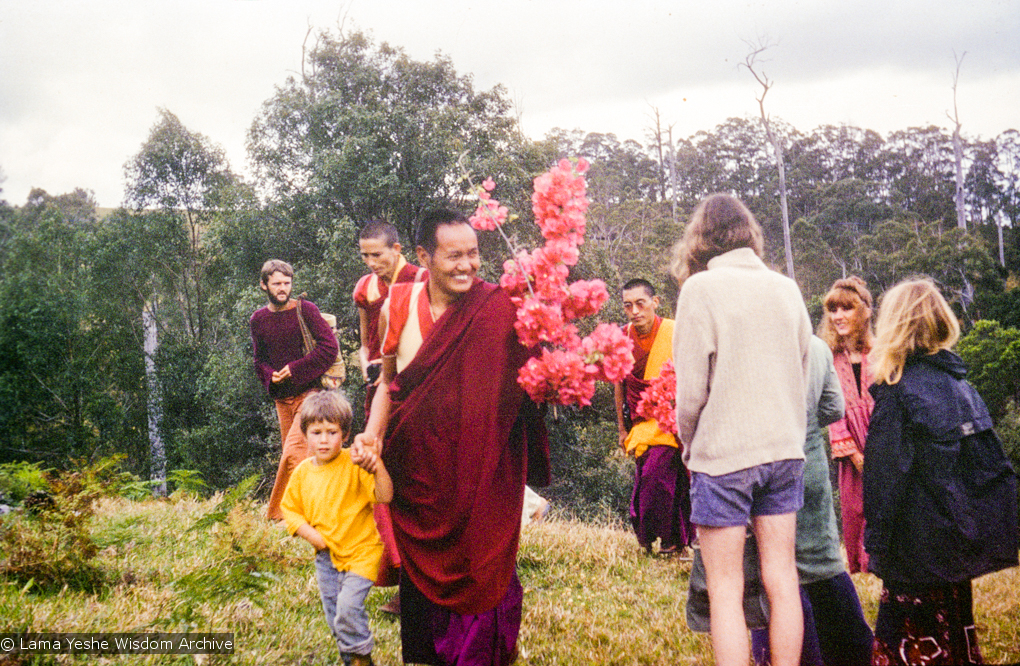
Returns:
(537,282)
(558,376)
(488,216)
(658,401)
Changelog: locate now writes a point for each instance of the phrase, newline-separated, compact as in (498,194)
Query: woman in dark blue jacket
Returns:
(940,497)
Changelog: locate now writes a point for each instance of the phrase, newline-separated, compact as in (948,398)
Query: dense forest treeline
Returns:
(366,132)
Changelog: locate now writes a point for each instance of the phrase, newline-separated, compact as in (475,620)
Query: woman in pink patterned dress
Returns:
(846,327)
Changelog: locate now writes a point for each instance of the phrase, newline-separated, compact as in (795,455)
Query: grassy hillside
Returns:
(590,596)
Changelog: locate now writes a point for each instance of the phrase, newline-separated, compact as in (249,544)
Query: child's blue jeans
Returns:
(343,601)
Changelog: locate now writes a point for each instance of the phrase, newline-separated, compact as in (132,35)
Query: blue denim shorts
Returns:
(729,500)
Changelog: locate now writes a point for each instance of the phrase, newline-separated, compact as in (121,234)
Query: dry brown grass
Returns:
(591,595)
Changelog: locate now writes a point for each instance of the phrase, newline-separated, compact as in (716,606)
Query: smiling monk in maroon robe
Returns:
(460,438)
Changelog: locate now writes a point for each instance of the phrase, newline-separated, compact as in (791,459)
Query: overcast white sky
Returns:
(81,81)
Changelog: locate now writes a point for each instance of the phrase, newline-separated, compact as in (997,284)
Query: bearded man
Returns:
(282,364)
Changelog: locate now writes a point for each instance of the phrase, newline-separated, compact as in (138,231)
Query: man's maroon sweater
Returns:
(276,339)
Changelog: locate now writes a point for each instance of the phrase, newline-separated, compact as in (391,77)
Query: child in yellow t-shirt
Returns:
(328,502)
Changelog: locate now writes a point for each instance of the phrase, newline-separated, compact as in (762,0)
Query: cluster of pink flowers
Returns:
(569,366)
(658,401)
(489,214)
(558,376)
(560,202)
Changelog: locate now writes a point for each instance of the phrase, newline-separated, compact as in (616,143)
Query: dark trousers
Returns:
(835,631)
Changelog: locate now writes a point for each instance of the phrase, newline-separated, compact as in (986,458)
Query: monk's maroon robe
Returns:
(660,503)
(634,383)
(462,435)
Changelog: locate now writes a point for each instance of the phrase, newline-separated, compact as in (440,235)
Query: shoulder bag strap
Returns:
(307,341)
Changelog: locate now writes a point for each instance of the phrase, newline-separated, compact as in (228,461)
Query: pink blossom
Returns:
(559,202)
(488,215)
(585,298)
(658,401)
(564,223)
(550,273)
(560,376)
(538,321)
(537,283)
(611,350)
(517,274)
(560,250)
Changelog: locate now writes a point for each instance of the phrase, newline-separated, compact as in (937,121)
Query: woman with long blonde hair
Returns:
(940,496)
(741,343)
(846,327)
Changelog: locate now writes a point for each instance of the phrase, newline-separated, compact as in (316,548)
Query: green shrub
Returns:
(48,543)
(137,490)
(231,498)
(992,355)
(246,533)
(1008,428)
(105,477)
(19,479)
(247,552)
(591,479)
(227,580)
(187,482)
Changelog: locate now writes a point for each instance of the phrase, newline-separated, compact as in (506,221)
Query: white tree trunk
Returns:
(961,212)
(672,173)
(787,244)
(157,453)
(998,227)
(777,146)
(961,218)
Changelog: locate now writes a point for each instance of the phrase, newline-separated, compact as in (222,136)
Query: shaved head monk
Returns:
(459,439)
(660,506)
(379,246)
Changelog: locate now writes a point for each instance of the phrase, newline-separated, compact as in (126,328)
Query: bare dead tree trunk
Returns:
(961,219)
(657,135)
(672,173)
(777,146)
(304,54)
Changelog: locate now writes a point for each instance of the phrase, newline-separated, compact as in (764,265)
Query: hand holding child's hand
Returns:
(358,448)
(365,452)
